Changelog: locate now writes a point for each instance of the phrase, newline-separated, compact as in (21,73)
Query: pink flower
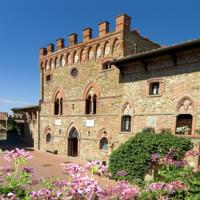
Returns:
(97,167)
(17,154)
(156,186)
(192,153)
(176,186)
(72,168)
(121,173)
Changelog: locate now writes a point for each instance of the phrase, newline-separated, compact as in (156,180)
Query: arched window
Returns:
(48,137)
(104,143)
(56,107)
(91,95)
(88,104)
(126,123)
(61,106)
(91,104)
(94,104)
(58,104)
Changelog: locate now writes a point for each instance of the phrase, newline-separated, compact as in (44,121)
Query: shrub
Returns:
(148,130)
(134,156)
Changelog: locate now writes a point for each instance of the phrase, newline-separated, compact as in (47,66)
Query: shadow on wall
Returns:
(135,71)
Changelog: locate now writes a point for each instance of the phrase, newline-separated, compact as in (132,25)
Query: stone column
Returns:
(91,106)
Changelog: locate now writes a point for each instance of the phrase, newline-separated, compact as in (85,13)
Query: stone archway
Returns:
(73,142)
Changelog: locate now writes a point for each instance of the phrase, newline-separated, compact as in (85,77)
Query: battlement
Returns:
(122,24)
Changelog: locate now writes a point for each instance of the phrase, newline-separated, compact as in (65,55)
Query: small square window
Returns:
(154,88)
(49,77)
(106,65)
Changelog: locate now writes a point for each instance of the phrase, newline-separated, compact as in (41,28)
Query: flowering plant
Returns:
(80,182)
(182,129)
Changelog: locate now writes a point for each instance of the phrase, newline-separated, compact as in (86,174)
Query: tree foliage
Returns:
(134,156)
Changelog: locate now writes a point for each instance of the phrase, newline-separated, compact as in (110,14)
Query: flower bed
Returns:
(174,180)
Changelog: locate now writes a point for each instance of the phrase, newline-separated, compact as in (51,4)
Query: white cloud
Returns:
(8,101)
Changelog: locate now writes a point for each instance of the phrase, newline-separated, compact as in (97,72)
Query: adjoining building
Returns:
(3,125)
(98,93)
(25,122)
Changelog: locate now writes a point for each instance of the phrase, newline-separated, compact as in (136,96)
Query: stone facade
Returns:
(3,125)
(25,120)
(90,104)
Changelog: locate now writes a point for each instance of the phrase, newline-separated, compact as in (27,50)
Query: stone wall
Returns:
(3,125)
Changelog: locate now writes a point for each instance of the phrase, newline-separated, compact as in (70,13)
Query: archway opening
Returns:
(184,124)
(73,143)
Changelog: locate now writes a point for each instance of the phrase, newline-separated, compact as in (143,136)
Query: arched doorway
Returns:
(73,143)
(184,124)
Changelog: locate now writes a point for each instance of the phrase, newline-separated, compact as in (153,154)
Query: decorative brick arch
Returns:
(89,87)
(90,48)
(83,55)
(113,44)
(56,91)
(127,109)
(104,133)
(104,47)
(72,125)
(73,144)
(185,105)
(48,129)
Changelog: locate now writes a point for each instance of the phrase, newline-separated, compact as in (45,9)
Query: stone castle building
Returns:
(3,125)
(98,93)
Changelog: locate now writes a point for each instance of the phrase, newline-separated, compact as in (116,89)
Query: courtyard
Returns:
(45,164)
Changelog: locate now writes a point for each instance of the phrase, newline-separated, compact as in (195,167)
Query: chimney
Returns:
(103,28)
(123,23)
(60,43)
(87,34)
(50,48)
(43,52)
(72,38)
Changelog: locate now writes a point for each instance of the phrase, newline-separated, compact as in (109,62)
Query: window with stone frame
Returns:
(104,143)
(126,123)
(88,105)
(91,104)
(154,88)
(49,77)
(106,65)
(48,137)
(58,104)
(127,112)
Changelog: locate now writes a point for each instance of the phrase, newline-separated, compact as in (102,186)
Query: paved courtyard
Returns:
(45,164)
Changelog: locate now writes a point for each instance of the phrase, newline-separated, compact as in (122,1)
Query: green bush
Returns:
(134,156)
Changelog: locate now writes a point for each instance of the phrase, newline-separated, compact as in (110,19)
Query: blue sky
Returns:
(27,25)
